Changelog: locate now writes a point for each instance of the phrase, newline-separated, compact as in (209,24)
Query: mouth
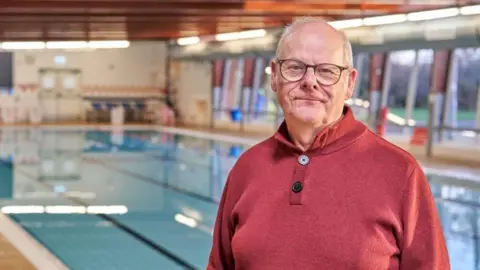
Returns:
(311,99)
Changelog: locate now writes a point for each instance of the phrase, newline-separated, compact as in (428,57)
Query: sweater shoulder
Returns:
(388,151)
(385,163)
(390,161)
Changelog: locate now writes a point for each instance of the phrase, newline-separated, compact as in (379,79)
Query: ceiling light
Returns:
(66,45)
(109,44)
(241,35)
(433,14)
(388,19)
(33,45)
(188,41)
(346,23)
(469,10)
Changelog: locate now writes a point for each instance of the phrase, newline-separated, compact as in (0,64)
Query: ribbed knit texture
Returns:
(365,204)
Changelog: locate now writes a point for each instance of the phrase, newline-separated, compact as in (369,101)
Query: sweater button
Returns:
(303,160)
(297,187)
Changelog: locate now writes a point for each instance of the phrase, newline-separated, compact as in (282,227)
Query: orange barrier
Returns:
(382,122)
(419,136)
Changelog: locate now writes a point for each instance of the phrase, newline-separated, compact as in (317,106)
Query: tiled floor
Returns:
(11,258)
(143,199)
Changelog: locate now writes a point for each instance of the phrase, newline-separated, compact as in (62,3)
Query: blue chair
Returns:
(110,106)
(235,151)
(235,115)
(97,106)
(97,111)
(139,111)
(129,111)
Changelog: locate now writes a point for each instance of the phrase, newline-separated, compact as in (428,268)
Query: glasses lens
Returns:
(293,70)
(328,74)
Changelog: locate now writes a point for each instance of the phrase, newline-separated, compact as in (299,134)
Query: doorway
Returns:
(60,95)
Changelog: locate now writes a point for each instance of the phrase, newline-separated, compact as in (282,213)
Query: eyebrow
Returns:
(314,63)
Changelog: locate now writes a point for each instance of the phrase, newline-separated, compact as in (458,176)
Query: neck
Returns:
(303,134)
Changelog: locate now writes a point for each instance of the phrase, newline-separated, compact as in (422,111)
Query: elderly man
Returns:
(324,192)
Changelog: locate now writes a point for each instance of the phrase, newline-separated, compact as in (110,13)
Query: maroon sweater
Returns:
(353,201)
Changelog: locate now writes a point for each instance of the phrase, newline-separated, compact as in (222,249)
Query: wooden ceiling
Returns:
(22,20)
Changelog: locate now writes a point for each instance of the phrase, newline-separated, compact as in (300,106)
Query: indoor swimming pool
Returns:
(101,198)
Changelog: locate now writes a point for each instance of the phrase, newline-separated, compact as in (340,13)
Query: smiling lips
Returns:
(311,99)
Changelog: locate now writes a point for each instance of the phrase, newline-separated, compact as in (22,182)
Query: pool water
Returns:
(144,199)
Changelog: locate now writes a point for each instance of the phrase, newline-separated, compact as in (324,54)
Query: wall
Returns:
(191,83)
(141,66)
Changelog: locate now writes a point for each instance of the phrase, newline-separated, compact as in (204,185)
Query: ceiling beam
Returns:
(94,19)
(103,4)
(162,13)
(256,5)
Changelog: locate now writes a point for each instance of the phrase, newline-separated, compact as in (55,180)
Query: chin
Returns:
(312,119)
(310,115)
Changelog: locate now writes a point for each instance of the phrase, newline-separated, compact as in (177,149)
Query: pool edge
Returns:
(39,256)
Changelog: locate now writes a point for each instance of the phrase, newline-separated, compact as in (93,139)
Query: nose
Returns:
(309,81)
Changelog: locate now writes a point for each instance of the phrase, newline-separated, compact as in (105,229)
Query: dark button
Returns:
(297,187)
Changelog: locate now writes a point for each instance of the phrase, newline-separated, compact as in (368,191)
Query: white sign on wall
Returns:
(69,82)
(48,82)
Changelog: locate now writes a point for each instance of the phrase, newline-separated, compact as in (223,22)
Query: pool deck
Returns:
(11,258)
(19,250)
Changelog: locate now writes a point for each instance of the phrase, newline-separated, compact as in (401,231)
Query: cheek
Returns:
(286,91)
(339,91)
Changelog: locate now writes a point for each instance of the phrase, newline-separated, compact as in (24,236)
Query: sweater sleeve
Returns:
(423,245)
(221,256)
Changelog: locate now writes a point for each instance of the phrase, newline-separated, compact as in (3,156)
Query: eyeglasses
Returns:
(326,74)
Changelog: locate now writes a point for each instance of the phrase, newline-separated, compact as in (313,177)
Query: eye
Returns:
(295,67)
(326,70)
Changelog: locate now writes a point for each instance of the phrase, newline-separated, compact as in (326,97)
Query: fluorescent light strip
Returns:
(67,45)
(38,45)
(188,41)
(414,16)
(388,19)
(32,45)
(470,10)
(346,23)
(432,14)
(109,44)
(353,23)
(241,35)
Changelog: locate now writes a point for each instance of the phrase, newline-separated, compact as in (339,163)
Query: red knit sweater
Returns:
(353,201)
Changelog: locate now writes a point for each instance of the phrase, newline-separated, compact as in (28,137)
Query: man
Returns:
(324,192)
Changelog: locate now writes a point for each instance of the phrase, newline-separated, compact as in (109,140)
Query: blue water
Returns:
(168,187)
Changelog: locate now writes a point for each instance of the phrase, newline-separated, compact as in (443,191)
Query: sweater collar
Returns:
(329,139)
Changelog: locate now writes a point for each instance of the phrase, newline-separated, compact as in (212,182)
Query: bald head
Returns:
(311,28)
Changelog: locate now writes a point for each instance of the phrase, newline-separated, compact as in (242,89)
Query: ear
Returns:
(274,71)
(352,81)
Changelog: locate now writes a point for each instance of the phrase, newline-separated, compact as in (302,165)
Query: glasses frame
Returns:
(281,61)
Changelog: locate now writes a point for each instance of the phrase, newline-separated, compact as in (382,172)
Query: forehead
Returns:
(313,44)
